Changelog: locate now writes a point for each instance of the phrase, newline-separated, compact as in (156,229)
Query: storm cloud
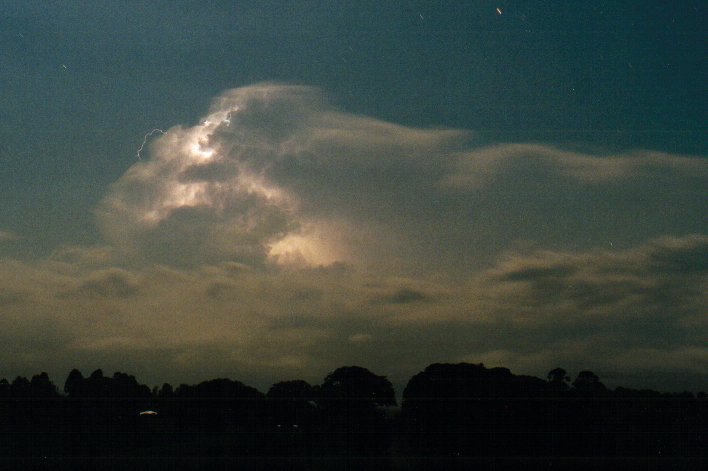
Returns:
(275,175)
(280,236)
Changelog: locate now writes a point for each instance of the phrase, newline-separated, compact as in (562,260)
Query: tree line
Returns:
(460,413)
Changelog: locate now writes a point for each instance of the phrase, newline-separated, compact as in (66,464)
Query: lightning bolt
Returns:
(145,138)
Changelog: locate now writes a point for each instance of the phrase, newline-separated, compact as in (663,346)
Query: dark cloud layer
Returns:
(633,315)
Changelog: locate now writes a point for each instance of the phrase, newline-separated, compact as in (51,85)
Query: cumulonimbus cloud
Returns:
(281,236)
(262,177)
(275,175)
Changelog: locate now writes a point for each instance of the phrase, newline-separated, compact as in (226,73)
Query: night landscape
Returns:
(314,235)
(452,416)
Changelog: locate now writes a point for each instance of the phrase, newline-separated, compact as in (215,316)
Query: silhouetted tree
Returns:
(465,380)
(558,375)
(20,387)
(166,390)
(295,389)
(220,406)
(629,392)
(96,385)
(42,386)
(290,406)
(226,388)
(125,385)
(558,380)
(360,385)
(446,403)
(448,411)
(588,383)
(4,388)
(185,390)
(74,383)
(351,401)
(585,378)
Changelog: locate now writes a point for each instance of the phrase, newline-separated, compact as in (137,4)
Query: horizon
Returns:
(398,388)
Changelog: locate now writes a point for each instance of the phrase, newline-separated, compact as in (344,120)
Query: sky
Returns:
(270,190)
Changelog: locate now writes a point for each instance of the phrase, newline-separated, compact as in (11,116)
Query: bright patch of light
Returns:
(207,167)
(179,195)
(255,184)
(201,152)
(308,248)
(191,194)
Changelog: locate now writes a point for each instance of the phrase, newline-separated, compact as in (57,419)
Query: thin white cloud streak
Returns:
(478,168)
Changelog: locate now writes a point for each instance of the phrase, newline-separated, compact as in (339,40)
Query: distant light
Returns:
(148,412)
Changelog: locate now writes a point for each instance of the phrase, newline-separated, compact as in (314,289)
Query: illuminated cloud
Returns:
(480,167)
(275,176)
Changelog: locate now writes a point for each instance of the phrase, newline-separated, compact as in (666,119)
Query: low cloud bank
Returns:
(637,313)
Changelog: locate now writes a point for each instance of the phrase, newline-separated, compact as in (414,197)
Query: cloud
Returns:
(360,338)
(8,236)
(596,309)
(72,257)
(645,286)
(606,306)
(112,282)
(8,296)
(281,237)
(478,168)
(275,176)
(272,174)
(633,316)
